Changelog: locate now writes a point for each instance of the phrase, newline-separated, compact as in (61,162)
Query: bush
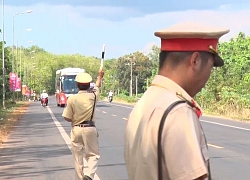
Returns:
(129,99)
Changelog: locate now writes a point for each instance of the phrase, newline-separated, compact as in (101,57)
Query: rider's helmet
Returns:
(44,91)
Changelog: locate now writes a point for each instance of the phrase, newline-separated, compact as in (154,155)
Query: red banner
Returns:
(24,89)
(13,80)
(27,93)
(18,84)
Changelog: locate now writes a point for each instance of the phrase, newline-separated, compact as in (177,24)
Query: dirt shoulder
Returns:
(9,117)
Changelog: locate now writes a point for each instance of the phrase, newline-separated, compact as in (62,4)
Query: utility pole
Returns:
(131,77)
(3,63)
(136,82)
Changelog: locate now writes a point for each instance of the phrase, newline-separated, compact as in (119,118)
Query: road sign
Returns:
(12,82)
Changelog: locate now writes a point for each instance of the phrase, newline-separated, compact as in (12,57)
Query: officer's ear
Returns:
(195,61)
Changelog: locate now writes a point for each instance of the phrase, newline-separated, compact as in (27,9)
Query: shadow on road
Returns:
(102,105)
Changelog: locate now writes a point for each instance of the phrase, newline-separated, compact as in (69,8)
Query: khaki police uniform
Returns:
(184,149)
(79,109)
(183,142)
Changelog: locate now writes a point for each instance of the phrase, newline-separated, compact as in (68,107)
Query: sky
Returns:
(124,26)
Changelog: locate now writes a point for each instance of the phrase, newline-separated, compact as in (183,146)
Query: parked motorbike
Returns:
(110,98)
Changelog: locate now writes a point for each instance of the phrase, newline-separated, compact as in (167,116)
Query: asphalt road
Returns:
(39,146)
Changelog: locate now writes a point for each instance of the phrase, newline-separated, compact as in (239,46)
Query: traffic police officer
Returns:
(80,112)
(188,54)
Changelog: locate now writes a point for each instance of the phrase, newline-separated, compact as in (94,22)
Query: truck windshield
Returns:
(69,85)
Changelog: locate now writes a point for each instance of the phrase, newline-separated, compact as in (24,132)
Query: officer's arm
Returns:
(68,111)
(182,131)
(99,78)
(67,119)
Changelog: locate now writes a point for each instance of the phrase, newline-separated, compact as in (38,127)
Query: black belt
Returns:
(88,122)
(84,125)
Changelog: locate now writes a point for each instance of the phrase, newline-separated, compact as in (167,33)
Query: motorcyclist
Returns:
(44,95)
(34,96)
(110,95)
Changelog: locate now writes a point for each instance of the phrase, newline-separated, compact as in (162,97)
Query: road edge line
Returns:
(117,105)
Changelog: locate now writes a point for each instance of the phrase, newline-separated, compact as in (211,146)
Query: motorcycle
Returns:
(110,98)
(44,102)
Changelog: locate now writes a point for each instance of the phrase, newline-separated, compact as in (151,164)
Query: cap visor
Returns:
(218,62)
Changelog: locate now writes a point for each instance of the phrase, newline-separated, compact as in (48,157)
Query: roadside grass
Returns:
(125,101)
(9,117)
(229,111)
(122,98)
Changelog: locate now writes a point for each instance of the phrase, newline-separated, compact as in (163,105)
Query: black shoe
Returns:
(87,178)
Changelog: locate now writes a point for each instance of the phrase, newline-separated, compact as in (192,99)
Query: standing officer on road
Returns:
(80,112)
(188,54)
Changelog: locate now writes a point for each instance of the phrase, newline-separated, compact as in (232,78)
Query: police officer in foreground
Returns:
(80,111)
(173,146)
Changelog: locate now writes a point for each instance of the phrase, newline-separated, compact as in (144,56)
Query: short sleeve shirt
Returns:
(110,93)
(80,106)
(44,95)
(184,147)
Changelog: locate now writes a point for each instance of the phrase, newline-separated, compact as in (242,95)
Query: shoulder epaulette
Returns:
(191,103)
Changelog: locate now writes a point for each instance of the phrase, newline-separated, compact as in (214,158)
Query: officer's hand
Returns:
(101,73)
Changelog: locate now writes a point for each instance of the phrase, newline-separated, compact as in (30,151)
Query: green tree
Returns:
(154,58)
(7,67)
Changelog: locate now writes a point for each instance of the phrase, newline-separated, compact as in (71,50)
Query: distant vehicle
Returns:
(65,84)
(44,102)
(110,98)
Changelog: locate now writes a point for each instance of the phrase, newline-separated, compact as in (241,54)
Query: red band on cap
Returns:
(188,44)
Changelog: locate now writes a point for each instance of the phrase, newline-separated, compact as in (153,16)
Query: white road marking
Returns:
(118,105)
(212,145)
(66,137)
(61,129)
(104,112)
(114,115)
(220,124)
(97,109)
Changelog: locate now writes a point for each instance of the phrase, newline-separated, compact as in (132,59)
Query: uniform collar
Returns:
(166,83)
(82,91)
